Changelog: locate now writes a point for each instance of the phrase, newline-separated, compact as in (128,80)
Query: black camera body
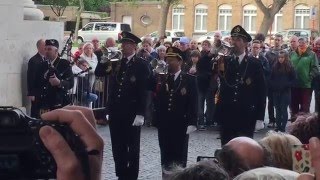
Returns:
(22,153)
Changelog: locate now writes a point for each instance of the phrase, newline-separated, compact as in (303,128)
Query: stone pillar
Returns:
(31,12)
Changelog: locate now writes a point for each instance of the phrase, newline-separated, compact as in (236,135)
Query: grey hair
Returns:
(160,47)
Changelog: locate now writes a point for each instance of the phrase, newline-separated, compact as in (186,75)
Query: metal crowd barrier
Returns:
(89,91)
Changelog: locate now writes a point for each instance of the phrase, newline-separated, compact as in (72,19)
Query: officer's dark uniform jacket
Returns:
(242,93)
(175,109)
(127,87)
(176,105)
(54,97)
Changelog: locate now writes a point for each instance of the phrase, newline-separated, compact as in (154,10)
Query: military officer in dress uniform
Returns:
(175,111)
(126,105)
(56,78)
(242,90)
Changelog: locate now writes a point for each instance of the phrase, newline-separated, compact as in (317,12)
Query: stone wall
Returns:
(18,38)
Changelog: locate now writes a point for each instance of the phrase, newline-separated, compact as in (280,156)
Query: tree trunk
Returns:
(266,24)
(78,20)
(163,17)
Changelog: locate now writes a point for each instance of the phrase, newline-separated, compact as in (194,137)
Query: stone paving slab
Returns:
(202,143)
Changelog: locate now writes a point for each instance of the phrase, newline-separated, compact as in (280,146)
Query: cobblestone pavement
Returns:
(200,143)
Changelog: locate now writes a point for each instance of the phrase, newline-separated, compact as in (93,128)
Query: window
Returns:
(105,27)
(277,23)
(225,15)
(250,18)
(88,27)
(201,14)
(178,18)
(301,17)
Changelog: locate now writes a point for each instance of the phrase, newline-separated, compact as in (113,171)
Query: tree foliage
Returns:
(164,15)
(57,6)
(269,13)
(89,5)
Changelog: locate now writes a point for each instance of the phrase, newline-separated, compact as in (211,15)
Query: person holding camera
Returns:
(82,122)
(56,79)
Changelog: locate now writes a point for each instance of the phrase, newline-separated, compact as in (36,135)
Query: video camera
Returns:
(22,153)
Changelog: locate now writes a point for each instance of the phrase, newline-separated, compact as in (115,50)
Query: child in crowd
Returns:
(282,79)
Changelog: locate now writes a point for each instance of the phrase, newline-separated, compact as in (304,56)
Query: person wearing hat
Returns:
(56,79)
(175,102)
(126,106)
(242,90)
(185,53)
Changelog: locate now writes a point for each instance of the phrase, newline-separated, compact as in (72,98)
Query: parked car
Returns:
(307,33)
(102,30)
(169,33)
(210,36)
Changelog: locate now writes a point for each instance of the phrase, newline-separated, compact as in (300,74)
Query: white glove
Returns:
(138,120)
(191,129)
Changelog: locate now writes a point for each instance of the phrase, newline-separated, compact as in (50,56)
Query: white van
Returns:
(102,31)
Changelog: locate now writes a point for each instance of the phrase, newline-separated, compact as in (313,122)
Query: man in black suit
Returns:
(33,66)
(175,111)
(242,90)
(55,79)
(126,106)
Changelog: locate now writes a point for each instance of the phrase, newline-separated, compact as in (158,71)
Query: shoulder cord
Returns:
(223,75)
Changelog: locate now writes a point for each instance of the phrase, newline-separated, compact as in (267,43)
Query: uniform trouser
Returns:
(229,132)
(300,100)
(149,109)
(125,140)
(235,121)
(173,148)
(35,109)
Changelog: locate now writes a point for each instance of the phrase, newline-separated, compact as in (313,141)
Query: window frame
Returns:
(178,11)
(250,9)
(204,14)
(225,15)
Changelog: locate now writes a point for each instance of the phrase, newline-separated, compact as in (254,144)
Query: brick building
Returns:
(196,17)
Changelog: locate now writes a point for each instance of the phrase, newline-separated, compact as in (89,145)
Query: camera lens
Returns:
(7,119)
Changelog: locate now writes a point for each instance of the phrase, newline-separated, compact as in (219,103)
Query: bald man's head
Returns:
(248,149)
(241,154)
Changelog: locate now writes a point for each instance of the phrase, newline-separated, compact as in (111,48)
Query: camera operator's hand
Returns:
(54,81)
(82,122)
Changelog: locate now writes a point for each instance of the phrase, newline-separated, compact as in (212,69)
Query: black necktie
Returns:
(171,80)
(125,60)
(237,60)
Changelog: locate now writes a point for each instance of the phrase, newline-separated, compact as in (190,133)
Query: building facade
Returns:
(196,17)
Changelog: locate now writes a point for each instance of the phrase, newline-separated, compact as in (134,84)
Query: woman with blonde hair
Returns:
(87,63)
(279,146)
